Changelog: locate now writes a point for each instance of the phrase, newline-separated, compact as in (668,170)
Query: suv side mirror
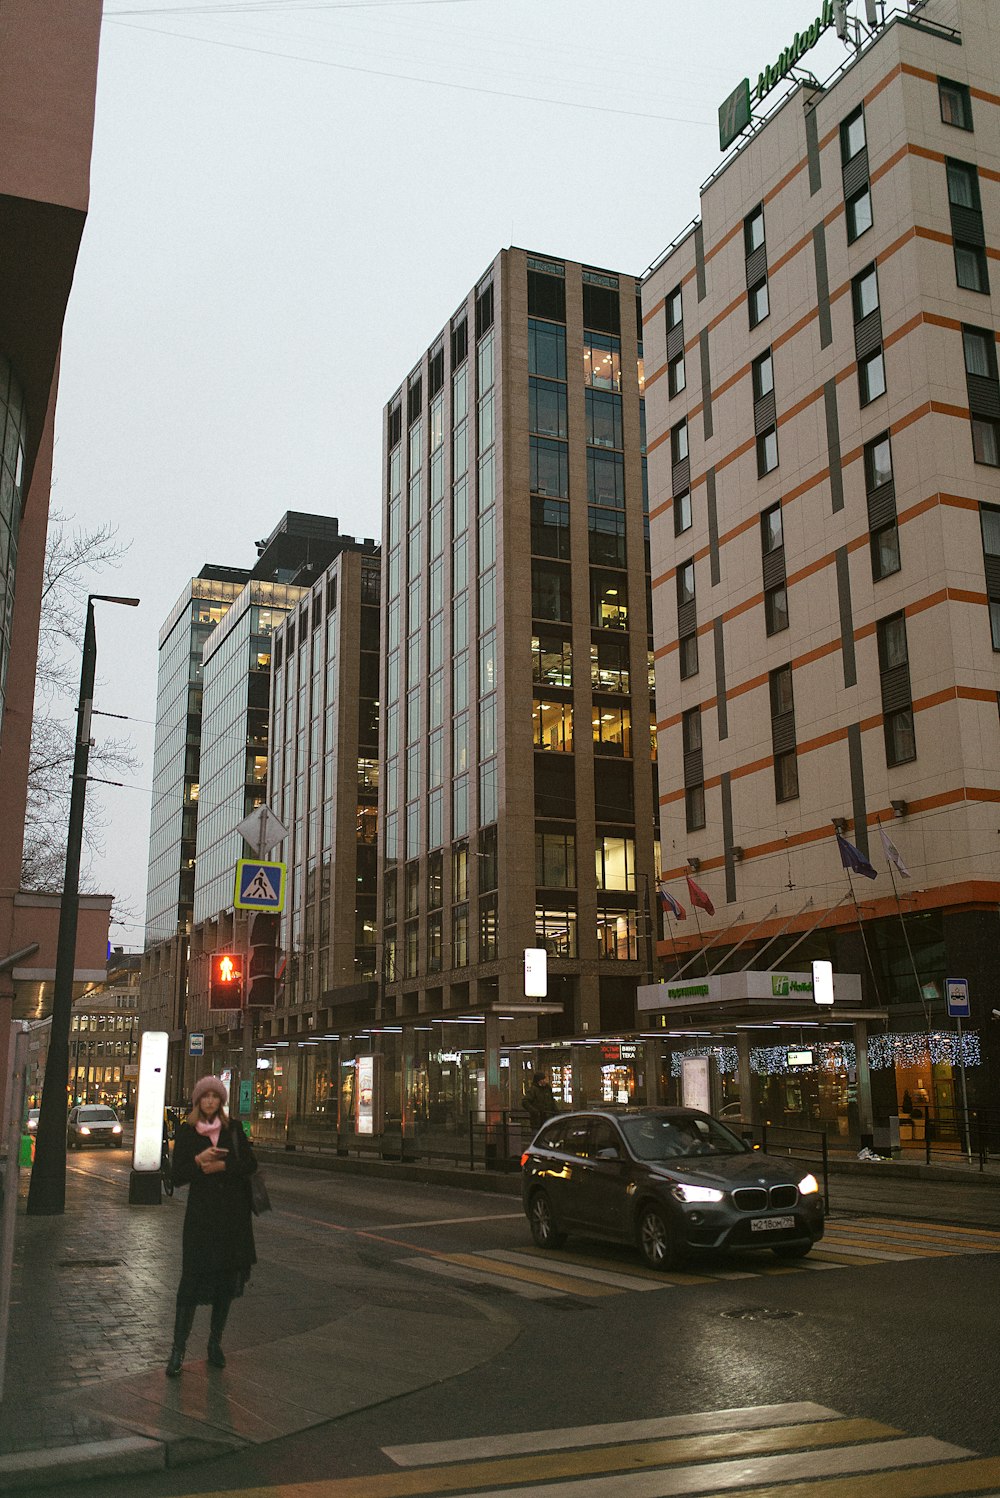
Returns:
(610,1152)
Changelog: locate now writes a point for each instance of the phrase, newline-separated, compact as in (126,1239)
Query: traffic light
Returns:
(261,982)
(225,983)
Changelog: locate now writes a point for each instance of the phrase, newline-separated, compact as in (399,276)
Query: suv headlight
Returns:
(808,1185)
(686,1193)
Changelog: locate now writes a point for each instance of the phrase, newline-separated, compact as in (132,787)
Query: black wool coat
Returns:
(218,1225)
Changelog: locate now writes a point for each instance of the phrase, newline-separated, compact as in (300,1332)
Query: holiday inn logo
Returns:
(782,986)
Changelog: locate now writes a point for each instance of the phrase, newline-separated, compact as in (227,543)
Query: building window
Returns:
(605,478)
(786,776)
(682,512)
(606,537)
(963,185)
(694,808)
(763,375)
(989,518)
(615,861)
(674,309)
(871,377)
(971,271)
(979,348)
(552,725)
(688,656)
(771,531)
(897,708)
(691,736)
(685,584)
(753,230)
(603,418)
(676,378)
(864,292)
(956,103)
(986,441)
(612,729)
(555,859)
(602,364)
(547,408)
(678,442)
(776,609)
(757,302)
(885,552)
(550,527)
(546,350)
(878,462)
(852,135)
(549,467)
(859,213)
(767,451)
(608,600)
(555,930)
(609,665)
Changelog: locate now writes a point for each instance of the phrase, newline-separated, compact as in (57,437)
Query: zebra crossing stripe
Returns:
(472,1266)
(579,1271)
(471,1277)
(743,1417)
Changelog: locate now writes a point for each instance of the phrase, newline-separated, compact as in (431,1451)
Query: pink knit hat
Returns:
(209,1084)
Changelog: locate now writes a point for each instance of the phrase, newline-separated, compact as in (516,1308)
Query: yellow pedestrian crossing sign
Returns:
(259,885)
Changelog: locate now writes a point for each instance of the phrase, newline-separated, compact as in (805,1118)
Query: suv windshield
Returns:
(98,1115)
(657,1137)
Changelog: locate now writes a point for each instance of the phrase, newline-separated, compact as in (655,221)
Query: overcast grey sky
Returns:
(288,201)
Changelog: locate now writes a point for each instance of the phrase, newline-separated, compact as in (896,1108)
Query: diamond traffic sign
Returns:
(259,886)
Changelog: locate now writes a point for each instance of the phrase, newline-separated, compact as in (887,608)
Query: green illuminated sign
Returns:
(734,114)
(782,986)
(689,991)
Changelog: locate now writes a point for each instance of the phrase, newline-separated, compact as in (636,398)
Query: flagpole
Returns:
(673,941)
(906,937)
(743,939)
(702,951)
(864,939)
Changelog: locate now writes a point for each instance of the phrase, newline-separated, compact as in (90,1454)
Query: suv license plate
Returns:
(771,1224)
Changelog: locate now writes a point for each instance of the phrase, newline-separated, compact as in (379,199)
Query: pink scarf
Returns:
(212,1130)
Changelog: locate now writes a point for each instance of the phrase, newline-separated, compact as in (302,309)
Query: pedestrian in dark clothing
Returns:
(540,1100)
(213,1157)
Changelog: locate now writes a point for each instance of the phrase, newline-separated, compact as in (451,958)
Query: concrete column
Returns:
(748,1092)
(866,1122)
(652,1051)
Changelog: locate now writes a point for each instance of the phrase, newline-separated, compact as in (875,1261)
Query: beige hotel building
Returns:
(823,420)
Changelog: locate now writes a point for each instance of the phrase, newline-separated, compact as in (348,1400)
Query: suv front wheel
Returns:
(657,1243)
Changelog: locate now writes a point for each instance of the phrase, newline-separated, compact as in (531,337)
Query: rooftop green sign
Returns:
(734,114)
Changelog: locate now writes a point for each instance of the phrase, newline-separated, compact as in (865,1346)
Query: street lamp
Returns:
(47,1192)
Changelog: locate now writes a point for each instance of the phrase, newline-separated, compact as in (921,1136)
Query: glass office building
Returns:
(517,797)
(177,748)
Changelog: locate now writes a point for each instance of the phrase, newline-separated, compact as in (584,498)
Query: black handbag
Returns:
(260,1197)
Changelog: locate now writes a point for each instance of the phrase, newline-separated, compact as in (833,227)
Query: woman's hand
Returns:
(212,1160)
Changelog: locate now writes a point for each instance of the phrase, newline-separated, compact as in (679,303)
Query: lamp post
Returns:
(47,1192)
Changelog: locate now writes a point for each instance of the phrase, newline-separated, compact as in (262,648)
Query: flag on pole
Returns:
(699,897)
(892,854)
(674,906)
(852,858)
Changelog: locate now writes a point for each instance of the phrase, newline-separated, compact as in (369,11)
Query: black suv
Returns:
(670,1180)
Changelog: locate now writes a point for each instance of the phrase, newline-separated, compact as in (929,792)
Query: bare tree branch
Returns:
(72,557)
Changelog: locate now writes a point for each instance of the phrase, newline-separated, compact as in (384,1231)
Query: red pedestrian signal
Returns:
(225,984)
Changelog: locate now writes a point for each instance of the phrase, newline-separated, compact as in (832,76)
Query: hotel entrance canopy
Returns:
(736,1000)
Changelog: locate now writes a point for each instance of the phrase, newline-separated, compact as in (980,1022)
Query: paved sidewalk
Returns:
(91,1310)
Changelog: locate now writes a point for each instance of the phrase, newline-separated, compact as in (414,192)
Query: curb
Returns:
(35,1469)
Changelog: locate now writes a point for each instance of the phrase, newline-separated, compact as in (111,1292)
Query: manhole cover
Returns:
(759,1313)
(90,1263)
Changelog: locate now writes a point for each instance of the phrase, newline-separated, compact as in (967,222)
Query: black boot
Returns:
(183,1322)
(220,1311)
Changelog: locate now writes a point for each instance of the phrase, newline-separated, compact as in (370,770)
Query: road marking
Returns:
(744,1417)
(526,1275)
(579,1271)
(796,1450)
(440,1222)
(470,1277)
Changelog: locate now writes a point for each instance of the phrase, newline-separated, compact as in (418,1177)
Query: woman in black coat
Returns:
(212,1156)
